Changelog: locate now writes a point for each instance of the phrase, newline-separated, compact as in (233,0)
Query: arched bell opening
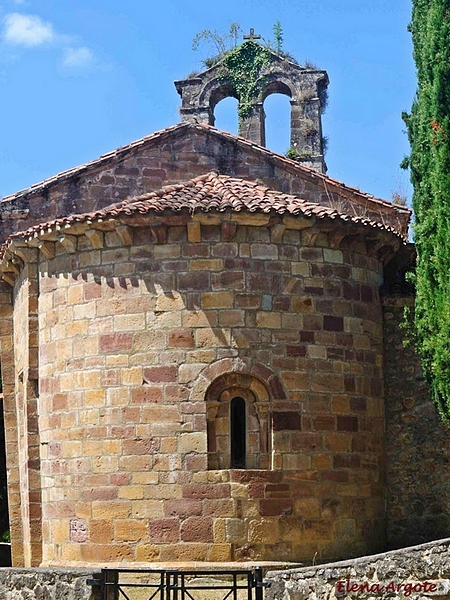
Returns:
(277,109)
(225,115)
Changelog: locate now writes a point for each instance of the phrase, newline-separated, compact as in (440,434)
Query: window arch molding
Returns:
(252,397)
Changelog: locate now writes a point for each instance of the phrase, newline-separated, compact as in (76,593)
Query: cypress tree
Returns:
(429,134)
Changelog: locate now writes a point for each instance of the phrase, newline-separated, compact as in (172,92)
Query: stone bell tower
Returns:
(306,87)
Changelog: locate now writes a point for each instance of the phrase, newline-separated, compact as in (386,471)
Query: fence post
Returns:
(110,580)
(259,585)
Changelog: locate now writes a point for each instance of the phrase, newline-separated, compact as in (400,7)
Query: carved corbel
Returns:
(124,233)
(27,255)
(309,236)
(95,237)
(276,233)
(47,248)
(228,230)
(9,278)
(335,238)
(194,232)
(158,234)
(69,242)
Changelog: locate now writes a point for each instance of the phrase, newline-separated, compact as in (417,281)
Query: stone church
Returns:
(201,354)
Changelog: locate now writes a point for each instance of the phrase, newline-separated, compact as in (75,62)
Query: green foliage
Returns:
(278,35)
(242,69)
(219,42)
(428,128)
(241,65)
(294,154)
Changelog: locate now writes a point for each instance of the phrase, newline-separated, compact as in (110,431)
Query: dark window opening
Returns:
(238,434)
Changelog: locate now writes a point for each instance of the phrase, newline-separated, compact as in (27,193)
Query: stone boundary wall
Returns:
(47,584)
(409,566)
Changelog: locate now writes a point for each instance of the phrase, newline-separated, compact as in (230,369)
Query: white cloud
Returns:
(27,30)
(77,58)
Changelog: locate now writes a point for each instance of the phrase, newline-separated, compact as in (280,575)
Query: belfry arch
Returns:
(305,88)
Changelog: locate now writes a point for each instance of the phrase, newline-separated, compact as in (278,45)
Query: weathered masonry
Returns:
(194,360)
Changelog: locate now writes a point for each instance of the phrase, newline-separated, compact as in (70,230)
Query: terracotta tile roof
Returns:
(328,183)
(210,192)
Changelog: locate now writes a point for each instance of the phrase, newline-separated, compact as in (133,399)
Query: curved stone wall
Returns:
(137,336)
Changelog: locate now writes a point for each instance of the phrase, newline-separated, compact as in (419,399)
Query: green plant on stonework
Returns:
(278,35)
(428,128)
(241,68)
(294,154)
(220,43)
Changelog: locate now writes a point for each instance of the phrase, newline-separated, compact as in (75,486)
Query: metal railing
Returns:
(155,584)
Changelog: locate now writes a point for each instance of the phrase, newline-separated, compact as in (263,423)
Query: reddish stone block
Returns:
(349,383)
(324,423)
(259,282)
(247,301)
(146,394)
(205,490)
(121,432)
(256,490)
(367,294)
(332,323)
(148,446)
(225,250)
(351,291)
(182,508)
(346,339)
(92,290)
(338,476)
(99,493)
(335,353)
(359,443)
(296,350)
(196,462)
(60,402)
(277,490)
(307,336)
(78,530)
(286,421)
(120,479)
(277,388)
(181,338)
(166,531)
(195,251)
(347,423)
(148,172)
(227,280)
(115,342)
(166,374)
(194,281)
(252,476)
(346,461)
(276,507)
(306,441)
(197,529)
(358,404)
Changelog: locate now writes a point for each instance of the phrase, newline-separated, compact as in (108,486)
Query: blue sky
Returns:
(79,78)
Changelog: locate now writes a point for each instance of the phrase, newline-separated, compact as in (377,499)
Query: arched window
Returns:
(226,115)
(238,433)
(237,408)
(277,108)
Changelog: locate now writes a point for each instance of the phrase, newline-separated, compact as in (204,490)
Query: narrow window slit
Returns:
(238,434)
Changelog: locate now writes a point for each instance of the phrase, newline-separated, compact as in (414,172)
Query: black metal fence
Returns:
(153,584)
